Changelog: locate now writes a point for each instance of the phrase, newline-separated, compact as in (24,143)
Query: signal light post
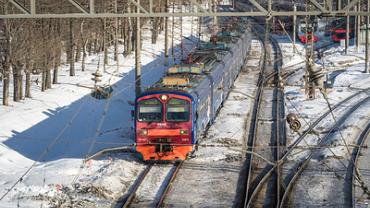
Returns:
(367,39)
(137,55)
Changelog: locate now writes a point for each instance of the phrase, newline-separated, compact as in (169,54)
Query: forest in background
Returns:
(36,46)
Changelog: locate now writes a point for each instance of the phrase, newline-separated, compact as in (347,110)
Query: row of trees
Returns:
(35,46)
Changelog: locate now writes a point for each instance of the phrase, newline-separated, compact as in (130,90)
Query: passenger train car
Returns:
(304,31)
(339,31)
(171,115)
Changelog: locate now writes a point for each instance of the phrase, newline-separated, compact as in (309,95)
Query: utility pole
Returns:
(294,27)
(166,36)
(181,37)
(173,33)
(215,20)
(105,38)
(339,4)
(309,85)
(347,32)
(200,19)
(329,3)
(138,55)
(367,39)
(306,53)
(267,28)
(358,25)
(116,57)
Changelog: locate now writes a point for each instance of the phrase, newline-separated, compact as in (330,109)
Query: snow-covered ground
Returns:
(45,139)
(345,72)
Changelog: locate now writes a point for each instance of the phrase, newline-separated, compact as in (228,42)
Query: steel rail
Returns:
(280,133)
(173,173)
(136,186)
(279,122)
(306,161)
(298,141)
(177,167)
(255,113)
(352,169)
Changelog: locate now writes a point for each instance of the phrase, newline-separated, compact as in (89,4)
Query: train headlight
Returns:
(164,97)
(184,132)
(143,132)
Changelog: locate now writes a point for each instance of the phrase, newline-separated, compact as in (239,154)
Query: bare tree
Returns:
(23,53)
(71,49)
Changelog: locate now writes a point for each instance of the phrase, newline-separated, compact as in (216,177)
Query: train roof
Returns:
(188,75)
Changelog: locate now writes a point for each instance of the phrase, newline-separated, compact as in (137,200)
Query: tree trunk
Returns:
(71,48)
(122,27)
(83,41)
(89,47)
(55,73)
(116,41)
(16,97)
(96,45)
(56,63)
(27,89)
(6,63)
(105,40)
(126,39)
(20,85)
(155,30)
(28,84)
(79,43)
(6,88)
(48,79)
(57,53)
(43,78)
(84,54)
(78,52)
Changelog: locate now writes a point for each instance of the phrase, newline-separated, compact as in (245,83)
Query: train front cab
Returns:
(164,126)
(339,34)
(304,31)
(302,38)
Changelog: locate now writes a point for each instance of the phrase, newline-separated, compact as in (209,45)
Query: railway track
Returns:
(281,187)
(280,129)
(131,199)
(353,170)
(300,166)
(265,175)
(253,127)
(271,65)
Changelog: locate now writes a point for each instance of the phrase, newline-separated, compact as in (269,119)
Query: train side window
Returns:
(150,110)
(177,110)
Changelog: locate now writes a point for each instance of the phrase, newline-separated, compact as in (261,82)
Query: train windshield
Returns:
(341,35)
(177,110)
(150,110)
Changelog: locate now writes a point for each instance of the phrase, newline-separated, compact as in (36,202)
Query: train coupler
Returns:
(162,148)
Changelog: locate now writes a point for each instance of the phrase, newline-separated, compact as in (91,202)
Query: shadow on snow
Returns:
(71,131)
